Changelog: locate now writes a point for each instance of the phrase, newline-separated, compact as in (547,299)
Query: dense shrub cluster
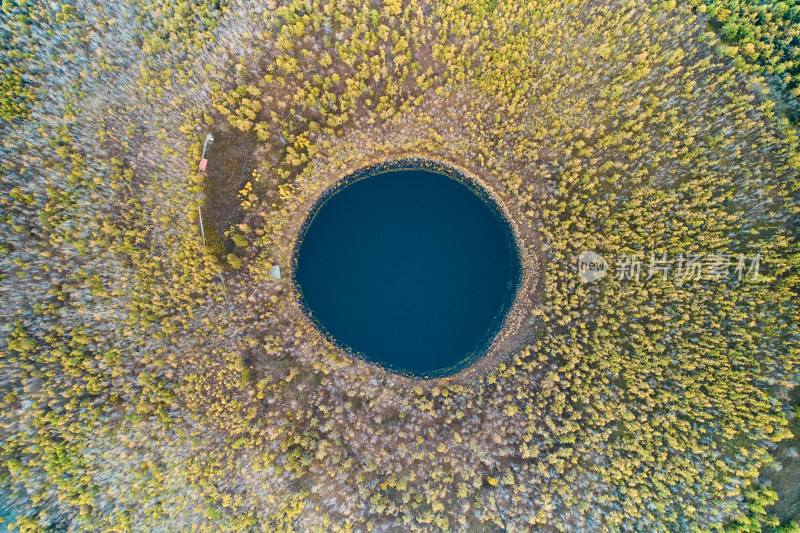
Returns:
(764,35)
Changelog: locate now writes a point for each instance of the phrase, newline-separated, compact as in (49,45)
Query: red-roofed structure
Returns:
(203,160)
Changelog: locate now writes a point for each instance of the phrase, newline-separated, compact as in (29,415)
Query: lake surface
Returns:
(411,269)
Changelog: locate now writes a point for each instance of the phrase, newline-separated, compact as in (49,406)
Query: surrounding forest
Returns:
(155,377)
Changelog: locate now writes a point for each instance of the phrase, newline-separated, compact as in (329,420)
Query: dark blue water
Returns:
(410,269)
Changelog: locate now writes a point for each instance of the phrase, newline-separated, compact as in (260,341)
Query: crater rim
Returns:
(477,187)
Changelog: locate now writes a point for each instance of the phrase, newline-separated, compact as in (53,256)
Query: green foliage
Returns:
(764,35)
(239,239)
(234,261)
(756,518)
(170,31)
(14,97)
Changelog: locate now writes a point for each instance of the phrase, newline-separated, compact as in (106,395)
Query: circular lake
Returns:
(412,269)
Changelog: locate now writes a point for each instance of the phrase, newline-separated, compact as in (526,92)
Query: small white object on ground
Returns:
(275,272)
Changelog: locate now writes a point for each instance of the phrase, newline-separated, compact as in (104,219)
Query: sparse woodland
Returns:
(151,383)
